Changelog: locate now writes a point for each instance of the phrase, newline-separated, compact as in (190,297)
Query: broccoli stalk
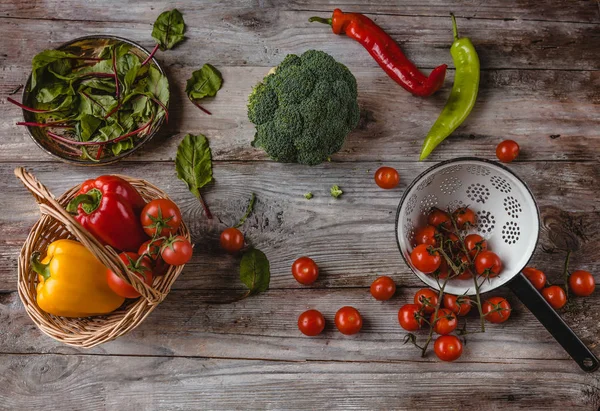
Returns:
(304,109)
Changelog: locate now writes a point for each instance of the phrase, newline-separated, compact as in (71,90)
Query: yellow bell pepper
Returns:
(72,282)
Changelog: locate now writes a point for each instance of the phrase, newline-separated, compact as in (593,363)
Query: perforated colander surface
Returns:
(507,215)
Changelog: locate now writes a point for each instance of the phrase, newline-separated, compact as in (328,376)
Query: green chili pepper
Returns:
(463,95)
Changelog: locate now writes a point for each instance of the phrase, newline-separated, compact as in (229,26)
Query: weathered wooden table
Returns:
(540,86)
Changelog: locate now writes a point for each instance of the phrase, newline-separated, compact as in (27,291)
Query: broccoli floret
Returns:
(304,109)
(308,195)
(336,191)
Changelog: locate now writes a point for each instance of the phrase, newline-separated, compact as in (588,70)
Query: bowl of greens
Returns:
(94,100)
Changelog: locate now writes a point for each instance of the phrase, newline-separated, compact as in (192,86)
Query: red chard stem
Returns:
(154,50)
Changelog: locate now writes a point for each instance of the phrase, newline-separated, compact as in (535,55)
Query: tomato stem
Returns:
(566,272)
(432,323)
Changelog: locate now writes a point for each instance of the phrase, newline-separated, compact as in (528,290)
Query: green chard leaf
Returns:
(42,60)
(157,85)
(123,145)
(255,271)
(168,29)
(87,126)
(193,164)
(204,82)
(52,91)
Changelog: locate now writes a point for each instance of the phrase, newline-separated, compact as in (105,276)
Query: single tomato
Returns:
(464,217)
(475,244)
(311,323)
(496,309)
(555,296)
(409,317)
(464,268)
(444,322)
(426,299)
(176,250)
(383,288)
(427,235)
(305,270)
(387,177)
(425,259)
(160,217)
(488,264)
(439,219)
(507,151)
(459,305)
(536,277)
(348,320)
(448,348)
(582,283)
(152,249)
(140,266)
(232,240)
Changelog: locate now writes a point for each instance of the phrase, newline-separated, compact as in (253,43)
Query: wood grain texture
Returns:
(149,383)
(351,238)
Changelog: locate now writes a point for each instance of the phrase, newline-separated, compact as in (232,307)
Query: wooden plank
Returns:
(262,37)
(552,114)
(351,238)
(106,383)
(265,327)
(585,11)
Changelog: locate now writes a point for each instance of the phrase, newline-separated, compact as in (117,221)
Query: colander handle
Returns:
(550,319)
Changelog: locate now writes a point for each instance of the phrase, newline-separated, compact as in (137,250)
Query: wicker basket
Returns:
(56,223)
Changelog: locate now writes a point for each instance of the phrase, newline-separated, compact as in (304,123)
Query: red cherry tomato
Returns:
(448,348)
(176,250)
(465,268)
(383,288)
(496,309)
(160,217)
(464,217)
(152,249)
(426,299)
(426,235)
(536,277)
(348,320)
(425,259)
(439,218)
(409,317)
(488,264)
(311,323)
(555,295)
(232,240)
(305,270)
(387,177)
(140,267)
(444,322)
(459,305)
(442,271)
(507,151)
(582,283)
(452,241)
(475,244)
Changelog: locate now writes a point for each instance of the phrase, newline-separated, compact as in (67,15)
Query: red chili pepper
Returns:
(109,208)
(386,52)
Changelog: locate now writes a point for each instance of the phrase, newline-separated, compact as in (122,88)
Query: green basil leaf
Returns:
(255,271)
(204,82)
(194,162)
(168,29)
(42,60)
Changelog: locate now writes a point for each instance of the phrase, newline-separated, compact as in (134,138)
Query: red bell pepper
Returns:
(109,208)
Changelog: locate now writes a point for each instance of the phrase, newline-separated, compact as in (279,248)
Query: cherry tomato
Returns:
(488,264)
(383,288)
(555,295)
(496,309)
(446,321)
(582,283)
(507,151)
(176,250)
(348,320)
(161,217)
(426,235)
(442,271)
(387,177)
(448,348)
(409,317)
(140,267)
(305,270)
(452,241)
(311,323)
(465,268)
(475,244)
(459,305)
(536,277)
(425,259)
(232,240)
(426,299)
(464,217)
(152,249)
(439,218)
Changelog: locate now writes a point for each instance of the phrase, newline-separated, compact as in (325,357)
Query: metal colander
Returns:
(507,217)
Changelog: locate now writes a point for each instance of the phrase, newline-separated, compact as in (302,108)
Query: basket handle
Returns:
(105,254)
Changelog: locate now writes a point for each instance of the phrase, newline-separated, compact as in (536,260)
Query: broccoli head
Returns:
(304,109)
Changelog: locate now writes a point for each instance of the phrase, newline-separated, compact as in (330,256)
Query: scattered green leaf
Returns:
(255,271)
(168,29)
(194,165)
(204,83)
